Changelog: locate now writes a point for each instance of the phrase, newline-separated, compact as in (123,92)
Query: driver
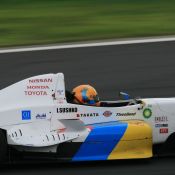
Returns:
(85,95)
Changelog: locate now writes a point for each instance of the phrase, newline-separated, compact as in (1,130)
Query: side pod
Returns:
(135,143)
(116,140)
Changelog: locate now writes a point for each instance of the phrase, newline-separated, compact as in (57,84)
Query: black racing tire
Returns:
(3,146)
(167,148)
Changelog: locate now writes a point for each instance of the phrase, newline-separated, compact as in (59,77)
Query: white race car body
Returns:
(36,117)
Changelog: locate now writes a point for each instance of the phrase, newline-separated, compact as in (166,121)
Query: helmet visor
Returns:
(94,100)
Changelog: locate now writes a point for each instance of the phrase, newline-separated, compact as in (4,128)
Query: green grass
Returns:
(26,22)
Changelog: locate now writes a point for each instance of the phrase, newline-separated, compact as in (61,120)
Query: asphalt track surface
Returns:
(145,70)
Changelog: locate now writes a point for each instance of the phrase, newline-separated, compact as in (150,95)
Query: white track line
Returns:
(93,44)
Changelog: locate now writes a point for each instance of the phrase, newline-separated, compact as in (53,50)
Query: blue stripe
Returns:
(84,96)
(86,99)
(100,142)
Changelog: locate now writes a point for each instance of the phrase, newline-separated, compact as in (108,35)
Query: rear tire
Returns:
(167,148)
(3,146)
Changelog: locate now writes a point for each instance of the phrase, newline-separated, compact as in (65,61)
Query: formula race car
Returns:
(38,118)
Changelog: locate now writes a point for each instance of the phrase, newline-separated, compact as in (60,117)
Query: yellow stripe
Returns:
(136,142)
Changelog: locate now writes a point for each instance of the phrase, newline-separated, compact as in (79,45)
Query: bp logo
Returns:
(147,113)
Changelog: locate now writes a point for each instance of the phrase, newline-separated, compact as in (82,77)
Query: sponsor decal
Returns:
(60,92)
(37,90)
(41,116)
(147,113)
(37,87)
(60,100)
(66,110)
(126,114)
(88,115)
(45,80)
(26,115)
(35,93)
(61,130)
(161,119)
(107,113)
(163,130)
(161,125)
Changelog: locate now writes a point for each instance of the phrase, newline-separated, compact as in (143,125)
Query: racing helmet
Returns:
(85,94)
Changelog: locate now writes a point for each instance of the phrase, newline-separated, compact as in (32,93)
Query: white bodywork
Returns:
(37,117)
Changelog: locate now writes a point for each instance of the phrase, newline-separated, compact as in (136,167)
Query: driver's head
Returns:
(85,94)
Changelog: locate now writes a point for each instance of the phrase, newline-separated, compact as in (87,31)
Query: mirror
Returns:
(124,96)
